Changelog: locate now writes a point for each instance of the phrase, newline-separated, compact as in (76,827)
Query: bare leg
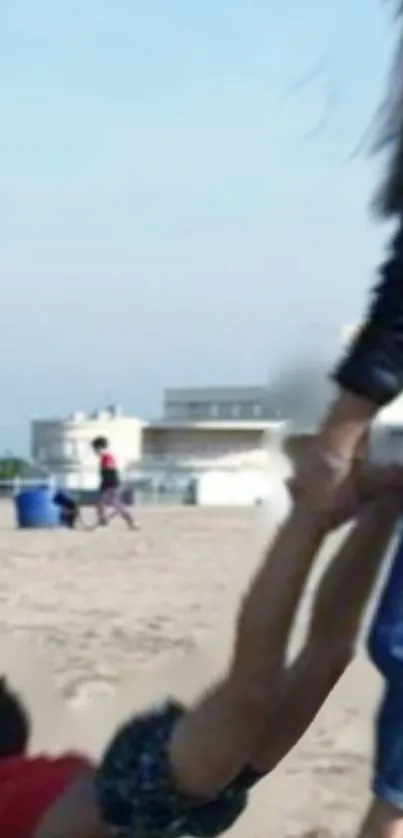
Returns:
(102,506)
(211,745)
(338,610)
(120,507)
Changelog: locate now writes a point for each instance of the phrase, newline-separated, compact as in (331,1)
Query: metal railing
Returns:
(11,487)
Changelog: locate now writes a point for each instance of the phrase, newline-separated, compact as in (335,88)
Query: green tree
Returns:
(11,467)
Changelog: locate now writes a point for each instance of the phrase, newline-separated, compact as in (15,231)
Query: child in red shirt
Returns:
(29,786)
(110,485)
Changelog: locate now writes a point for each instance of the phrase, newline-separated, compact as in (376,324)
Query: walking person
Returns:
(70,514)
(110,489)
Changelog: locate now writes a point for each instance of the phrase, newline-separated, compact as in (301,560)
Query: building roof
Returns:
(225,393)
(216,425)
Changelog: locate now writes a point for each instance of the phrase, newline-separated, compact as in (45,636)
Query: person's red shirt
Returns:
(28,788)
(107,460)
(109,471)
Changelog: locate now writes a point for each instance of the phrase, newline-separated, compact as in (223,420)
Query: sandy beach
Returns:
(95,623)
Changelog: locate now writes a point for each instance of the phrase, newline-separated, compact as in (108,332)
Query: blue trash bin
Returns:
(35,509)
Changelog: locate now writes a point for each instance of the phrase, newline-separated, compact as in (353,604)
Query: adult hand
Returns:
(338,489)
(321,481)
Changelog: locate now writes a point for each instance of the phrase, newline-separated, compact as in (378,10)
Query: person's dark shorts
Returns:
(69,517)
(109,480)
(385,646)
(138,796)
(69,509)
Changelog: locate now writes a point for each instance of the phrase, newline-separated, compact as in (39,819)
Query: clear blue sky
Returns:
(166,217)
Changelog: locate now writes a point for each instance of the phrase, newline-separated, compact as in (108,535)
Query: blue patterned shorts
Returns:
(385,646)
(137,796)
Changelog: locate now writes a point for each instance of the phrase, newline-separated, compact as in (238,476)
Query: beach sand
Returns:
(96,623)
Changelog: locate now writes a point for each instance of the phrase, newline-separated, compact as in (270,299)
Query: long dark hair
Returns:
(388,201)
(15,727)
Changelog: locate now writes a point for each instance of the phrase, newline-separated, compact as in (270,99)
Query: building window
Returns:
(175,410)
(257,411)
(41,454)
(236,411)
(69,450)
(192,410)
(214,411)
(54,452)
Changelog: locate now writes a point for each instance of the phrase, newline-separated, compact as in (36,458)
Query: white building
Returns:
(166,455)
(63,446)
(199,446)
(223,463)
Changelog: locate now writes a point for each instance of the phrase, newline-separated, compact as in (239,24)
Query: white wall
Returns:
(386,437)
(245,488)
(215,448)
(386,444)
(392,414)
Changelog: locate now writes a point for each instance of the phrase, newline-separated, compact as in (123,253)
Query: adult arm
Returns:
(369,377)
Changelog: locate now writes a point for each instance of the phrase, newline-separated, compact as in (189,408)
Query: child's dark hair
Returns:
(15,726)
(99,443)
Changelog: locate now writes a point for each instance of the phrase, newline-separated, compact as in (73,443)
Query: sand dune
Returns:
(94,624)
